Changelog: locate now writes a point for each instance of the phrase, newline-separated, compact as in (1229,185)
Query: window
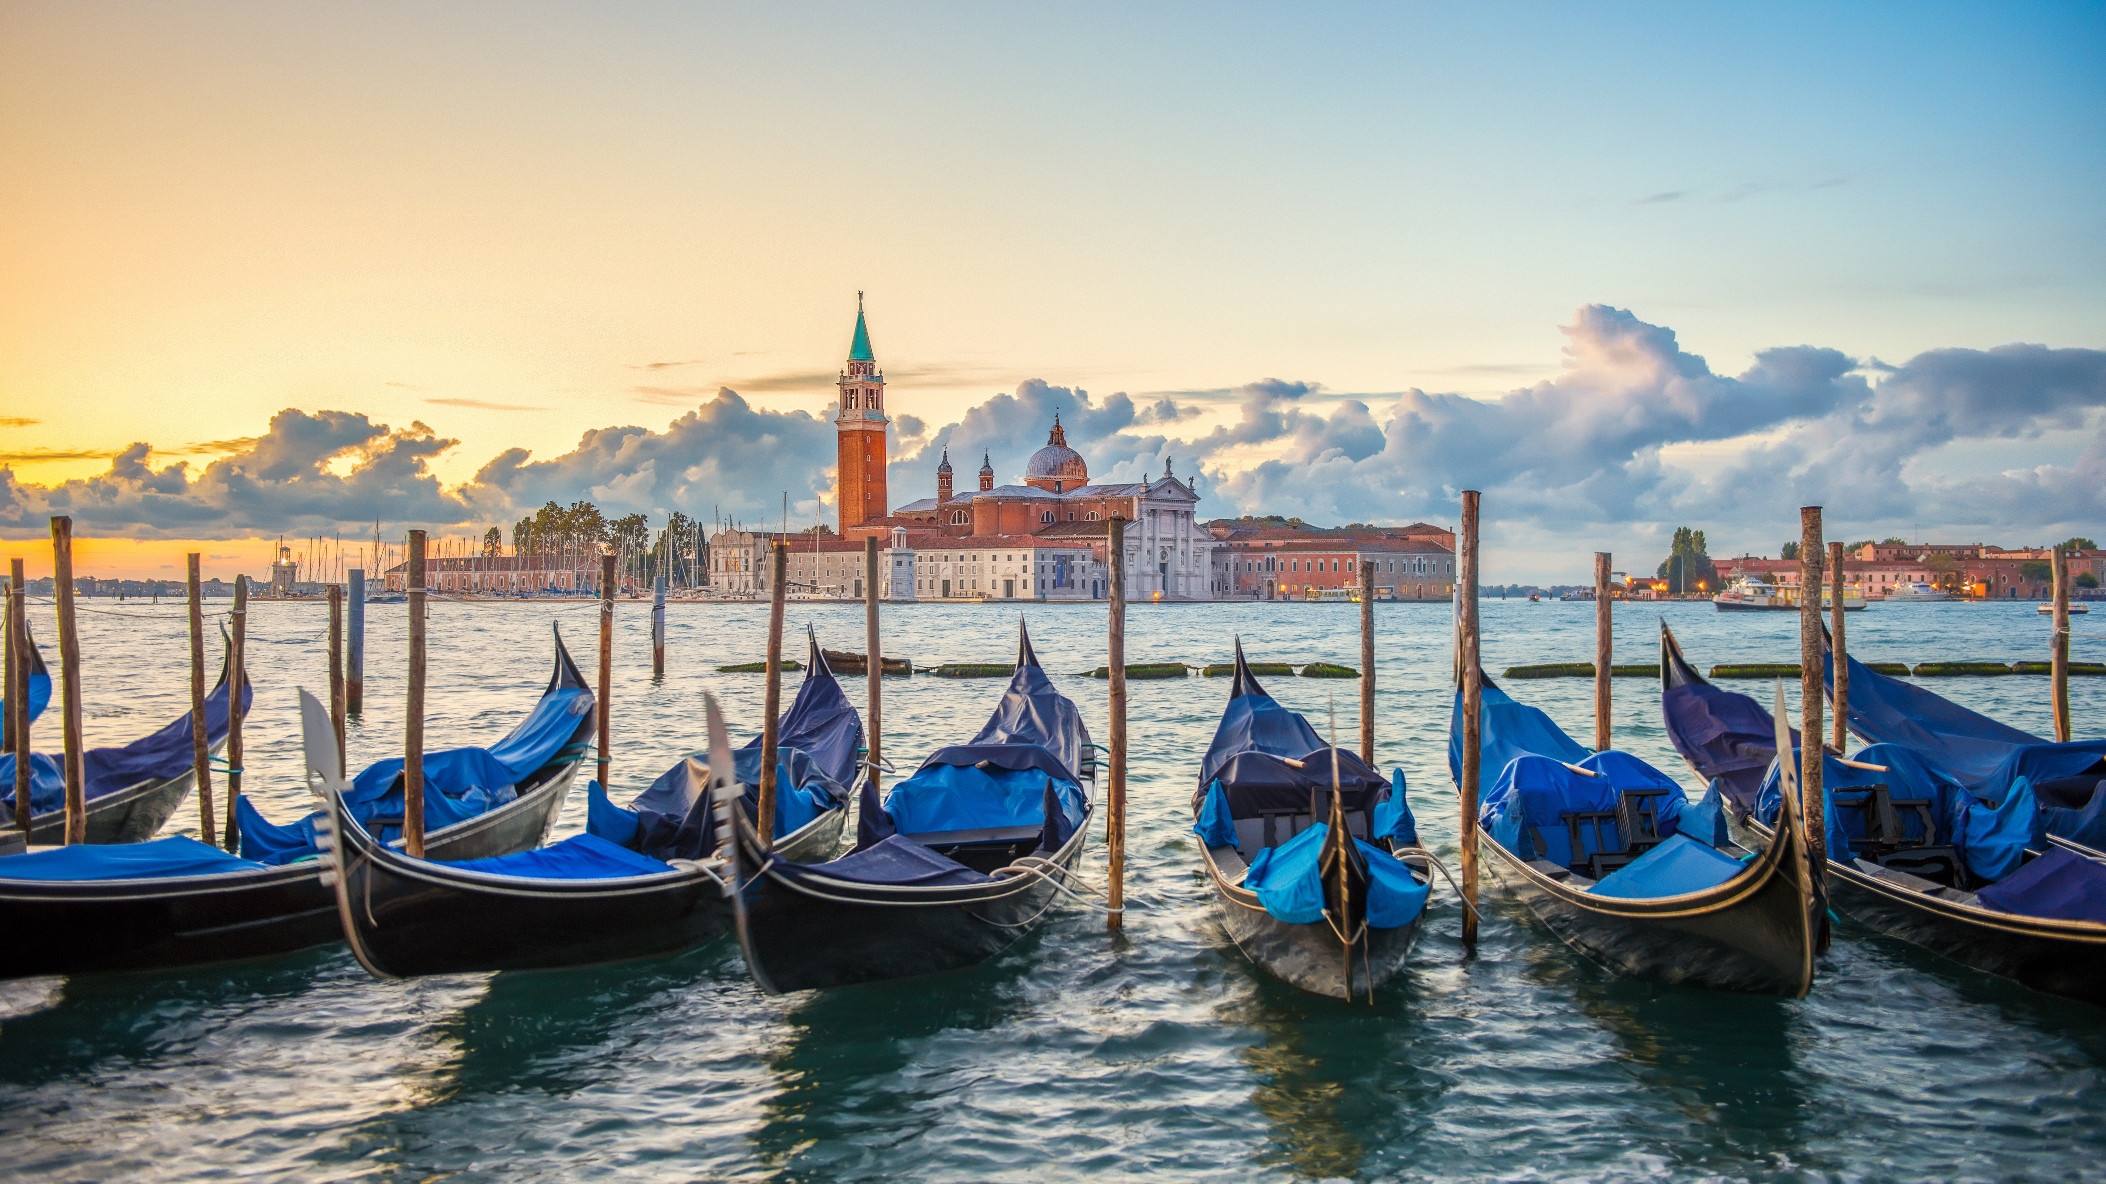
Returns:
(1092,516)
(848,401)
(1047,516)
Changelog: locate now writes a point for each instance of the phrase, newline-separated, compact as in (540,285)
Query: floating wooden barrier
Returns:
(1227,669)
(1958,669)
(1328,670)
(1756,670)
(1897,669)
(848,662)
(2093,669)
(760,667)
(1586,670)
(975,670)
(1146,670)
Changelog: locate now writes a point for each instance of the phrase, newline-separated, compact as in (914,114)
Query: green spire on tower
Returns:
(859,351)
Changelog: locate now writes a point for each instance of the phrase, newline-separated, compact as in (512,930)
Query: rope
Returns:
(1030,864)
(1442,868)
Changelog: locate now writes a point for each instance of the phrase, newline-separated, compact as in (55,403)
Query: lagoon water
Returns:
(1161,1052)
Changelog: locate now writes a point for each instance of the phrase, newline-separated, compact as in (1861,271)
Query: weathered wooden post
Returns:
(2058,655)
(874,663)
(336,673)
(1115,794)
(413,715)
(200,735)
(69,678)
(606,703)
(1367,661)
(237,683)
(1812,804)
(1472,712)
(770,730)
(18,688)
(1604,648)
(1841,675)
(658,627)
(355,649)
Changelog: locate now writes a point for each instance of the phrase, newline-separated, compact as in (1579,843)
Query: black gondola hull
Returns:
(59,927)
(2065,958)
(131,815)
(404,917)
(852,933)
(1311,957)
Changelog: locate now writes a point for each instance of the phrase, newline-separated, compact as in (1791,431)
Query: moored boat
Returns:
(1305,847)
(959,861)
(1911,852)
(1608,852)
(640,882)
(1750,595)
(176,901)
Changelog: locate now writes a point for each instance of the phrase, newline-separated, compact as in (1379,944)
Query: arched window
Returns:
(958,518)
(1092,516)
(848,401)
(1046,517)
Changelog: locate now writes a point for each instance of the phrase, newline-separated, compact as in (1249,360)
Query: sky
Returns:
(282,268)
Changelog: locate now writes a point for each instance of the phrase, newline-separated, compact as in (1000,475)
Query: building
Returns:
(1270,560)
(1004,567)
(502,575)
(859,434)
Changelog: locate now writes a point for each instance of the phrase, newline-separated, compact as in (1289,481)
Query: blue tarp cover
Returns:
(2059,884)
(177,855)
(1508,729)
(1214,826)
(1964,745)
(1393,819)
(459,783)
(895,860)
(1991,839)
(1724,735)
(39,697)
(1288,881)
(579,857)
(1033,712)
(1250,754)
(1257,722)
(1525,807)
(1677,867)
(940,798)
(803,791)
(156,756)
(821,723)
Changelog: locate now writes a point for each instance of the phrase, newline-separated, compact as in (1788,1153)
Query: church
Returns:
(1044,539)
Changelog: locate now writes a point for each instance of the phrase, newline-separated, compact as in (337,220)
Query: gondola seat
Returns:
(1898,833)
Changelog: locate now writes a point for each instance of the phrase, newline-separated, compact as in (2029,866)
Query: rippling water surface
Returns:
(1161,1051)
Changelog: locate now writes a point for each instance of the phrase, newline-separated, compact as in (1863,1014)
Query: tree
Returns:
(2036,572)
(1788,551)
(523,537)
(2080,543)
(1688,569)
(494,543)
(2087,580)
(1893,542)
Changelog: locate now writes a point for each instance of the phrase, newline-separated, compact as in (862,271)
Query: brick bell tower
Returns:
(859,432)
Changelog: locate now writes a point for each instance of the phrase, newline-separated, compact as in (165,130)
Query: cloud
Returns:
(667,365)
(1632,436)
(17,421)
(1661,198)
(484,405)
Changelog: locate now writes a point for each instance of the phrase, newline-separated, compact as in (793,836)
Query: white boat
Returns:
(1916,591)
(2048,610)
(1744,595)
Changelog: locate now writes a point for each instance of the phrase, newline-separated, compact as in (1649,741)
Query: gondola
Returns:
(640,882)
(1911,852)
(1611,856)
(960,860)
(131,789)
(1304,845)
(176,901)
(1987,757)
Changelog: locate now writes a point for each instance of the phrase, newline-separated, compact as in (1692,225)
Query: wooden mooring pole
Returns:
(658,627)
(355,647)
(778,587)
(1841,675)
(1472,712)
(605,742)
(1604,649)
(1115,794)
(18,689)
(237,685)
(1811,802)
(69,678)
(336,673)
(1367,661)
(413,713)
(2058,655)
(874,660)
(200,734)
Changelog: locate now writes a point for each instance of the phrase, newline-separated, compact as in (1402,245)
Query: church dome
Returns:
(1057,462)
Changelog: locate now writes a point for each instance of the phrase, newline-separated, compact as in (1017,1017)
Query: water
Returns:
(1160,1052)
